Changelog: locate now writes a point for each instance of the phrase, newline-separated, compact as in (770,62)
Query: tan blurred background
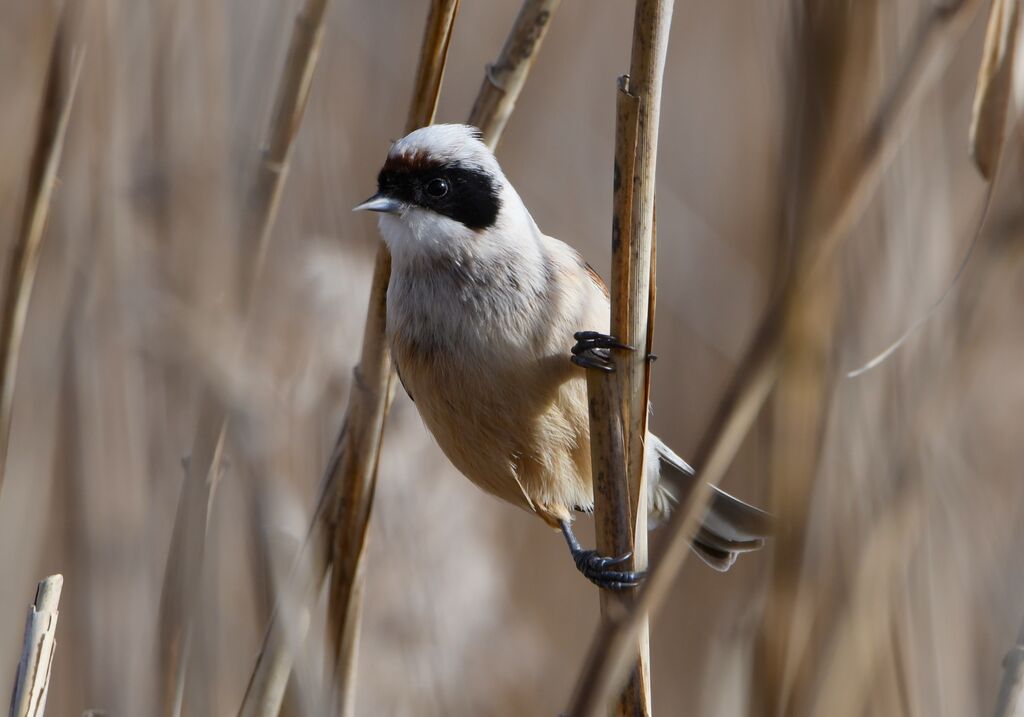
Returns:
(474,608)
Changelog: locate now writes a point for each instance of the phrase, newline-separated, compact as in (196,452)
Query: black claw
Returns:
(593,350)
(595,567)
(615,579)
(600,364)
(596,340)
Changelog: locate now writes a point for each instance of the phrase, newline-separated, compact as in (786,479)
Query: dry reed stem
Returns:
(266,689)
(995,78)
(800,407)
(607,660)
(863,640)
(274,663)
(181,586)
(987,135)
(620,489)
(831,49)
(613,511)
(58,97)
(505,77)
(372,391)
(1010,702)
(33,677)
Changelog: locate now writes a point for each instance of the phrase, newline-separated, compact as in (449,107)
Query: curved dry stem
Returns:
(852,185)
(58,97)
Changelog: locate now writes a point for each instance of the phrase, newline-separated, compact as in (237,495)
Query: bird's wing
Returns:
(728,516)
(402,381)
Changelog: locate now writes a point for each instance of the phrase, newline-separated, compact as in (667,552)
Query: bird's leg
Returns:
(598,569)
(593,350)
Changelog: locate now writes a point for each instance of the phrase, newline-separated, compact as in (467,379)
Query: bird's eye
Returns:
(437,187)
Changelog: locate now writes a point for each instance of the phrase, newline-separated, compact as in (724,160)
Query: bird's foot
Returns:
(593,350)
(598,569)
(601,570)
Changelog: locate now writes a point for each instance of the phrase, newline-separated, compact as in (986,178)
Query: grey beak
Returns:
(379,203)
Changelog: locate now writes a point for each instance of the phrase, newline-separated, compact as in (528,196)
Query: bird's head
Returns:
(440,182)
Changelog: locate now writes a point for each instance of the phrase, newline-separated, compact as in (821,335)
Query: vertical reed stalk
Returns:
(182,583)
(988,131)
(831,48)
(33,677)
(338,491)
(58,96)
(505,77)
(618,405)
(372,391)
(609,657)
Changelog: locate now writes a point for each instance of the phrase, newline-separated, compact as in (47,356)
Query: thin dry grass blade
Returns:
(33,678)
(58,96)
(995,79)
(608,658)
(181,585)
(987,133)
(505,77)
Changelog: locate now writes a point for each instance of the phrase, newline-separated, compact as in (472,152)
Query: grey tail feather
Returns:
(730,526)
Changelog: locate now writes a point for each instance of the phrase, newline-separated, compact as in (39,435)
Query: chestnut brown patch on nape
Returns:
(411,162)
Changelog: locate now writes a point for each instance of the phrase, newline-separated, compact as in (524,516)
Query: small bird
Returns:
(482,312)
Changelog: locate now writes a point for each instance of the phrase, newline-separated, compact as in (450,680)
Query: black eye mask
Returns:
(469,196)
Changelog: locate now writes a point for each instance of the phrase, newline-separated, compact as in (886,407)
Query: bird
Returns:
(492,326)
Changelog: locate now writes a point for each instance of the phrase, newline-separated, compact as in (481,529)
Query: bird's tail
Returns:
(730,526)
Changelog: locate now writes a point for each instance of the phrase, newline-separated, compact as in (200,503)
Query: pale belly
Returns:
(518,429)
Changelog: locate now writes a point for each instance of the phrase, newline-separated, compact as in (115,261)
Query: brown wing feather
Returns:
(597,280)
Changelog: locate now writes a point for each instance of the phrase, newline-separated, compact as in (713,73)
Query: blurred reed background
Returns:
(911,556)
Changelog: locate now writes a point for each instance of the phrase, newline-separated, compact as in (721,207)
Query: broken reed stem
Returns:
(372,391)
(1010,702)
(58,96)
(32,680)
(274,663)
(181,586)
(608,658)
(505,77)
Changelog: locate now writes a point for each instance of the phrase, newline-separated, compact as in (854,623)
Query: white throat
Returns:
(417,235)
